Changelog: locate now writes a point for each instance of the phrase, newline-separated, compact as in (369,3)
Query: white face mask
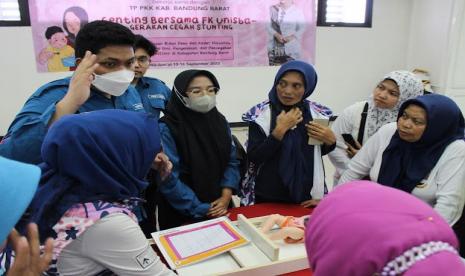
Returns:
(114,83)
(201,104)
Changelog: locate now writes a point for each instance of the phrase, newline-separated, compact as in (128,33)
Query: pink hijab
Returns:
(361,226)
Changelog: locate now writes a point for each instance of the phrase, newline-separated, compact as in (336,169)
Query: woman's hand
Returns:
(321,133)
(28,261)
(310,203)
(219,207)
(286,121)
(162,165)
(351,151)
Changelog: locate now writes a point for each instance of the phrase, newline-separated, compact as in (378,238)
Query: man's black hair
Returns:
(52,30)
(144,43)
(100,34)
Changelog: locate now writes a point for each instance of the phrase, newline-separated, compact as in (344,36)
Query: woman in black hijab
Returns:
(197,139)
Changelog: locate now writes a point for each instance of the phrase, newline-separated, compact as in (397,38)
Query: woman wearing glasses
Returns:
(197,139)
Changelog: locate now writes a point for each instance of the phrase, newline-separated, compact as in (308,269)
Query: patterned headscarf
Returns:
(409,87)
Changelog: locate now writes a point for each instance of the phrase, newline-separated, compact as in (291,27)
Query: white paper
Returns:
(202,240)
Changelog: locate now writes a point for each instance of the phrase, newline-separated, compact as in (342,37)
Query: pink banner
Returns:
(187,33)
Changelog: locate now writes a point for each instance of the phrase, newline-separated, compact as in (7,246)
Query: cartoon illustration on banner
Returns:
(187,33)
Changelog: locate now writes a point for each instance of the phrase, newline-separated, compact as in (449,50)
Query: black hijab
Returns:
(203,140)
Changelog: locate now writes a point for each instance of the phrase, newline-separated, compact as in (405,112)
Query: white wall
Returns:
(349,62)
(429,38)
(437,44)
(455,82)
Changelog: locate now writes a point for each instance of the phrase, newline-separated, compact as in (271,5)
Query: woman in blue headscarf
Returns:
(93,175)
(422,154)
(283,166)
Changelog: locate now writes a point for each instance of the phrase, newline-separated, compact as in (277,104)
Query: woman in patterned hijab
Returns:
(383,109)
(363,119)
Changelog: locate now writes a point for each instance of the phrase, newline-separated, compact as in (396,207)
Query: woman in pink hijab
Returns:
(365,229)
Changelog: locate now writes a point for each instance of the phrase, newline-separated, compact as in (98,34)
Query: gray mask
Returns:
(201,104)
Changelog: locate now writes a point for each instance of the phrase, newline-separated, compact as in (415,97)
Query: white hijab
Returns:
(409,87)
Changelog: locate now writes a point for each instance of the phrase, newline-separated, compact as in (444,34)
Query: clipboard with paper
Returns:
(196,242)
(259,256)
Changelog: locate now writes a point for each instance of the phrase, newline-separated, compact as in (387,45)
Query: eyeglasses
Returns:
(210,90)
(143,60)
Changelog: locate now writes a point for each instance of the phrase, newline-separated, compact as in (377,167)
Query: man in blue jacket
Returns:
(105,58)
(154,95)
(153,92)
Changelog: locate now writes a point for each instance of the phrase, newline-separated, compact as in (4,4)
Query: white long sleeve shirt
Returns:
(347,122)
(444,187)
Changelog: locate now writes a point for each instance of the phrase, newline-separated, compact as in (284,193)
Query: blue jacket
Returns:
(181,196)
(154,94)
(24,138)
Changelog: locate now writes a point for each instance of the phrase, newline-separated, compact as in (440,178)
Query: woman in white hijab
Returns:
(362,119)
